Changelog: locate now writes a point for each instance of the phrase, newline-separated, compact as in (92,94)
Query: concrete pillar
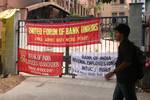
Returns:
(10,44)
(135,23)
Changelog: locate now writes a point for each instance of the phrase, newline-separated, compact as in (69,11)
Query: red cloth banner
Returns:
(64,34)
(40,63)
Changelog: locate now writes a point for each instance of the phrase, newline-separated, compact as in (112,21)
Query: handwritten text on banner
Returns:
(40,63)
(93,64)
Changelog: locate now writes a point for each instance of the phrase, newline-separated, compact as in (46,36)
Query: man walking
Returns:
(125,68)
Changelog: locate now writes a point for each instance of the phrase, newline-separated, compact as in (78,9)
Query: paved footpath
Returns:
(65,88)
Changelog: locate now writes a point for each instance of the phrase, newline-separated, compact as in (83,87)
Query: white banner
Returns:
(92,64)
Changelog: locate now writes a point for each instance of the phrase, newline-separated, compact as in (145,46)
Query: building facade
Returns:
(77,7)
(72,6)
(30,8)
(90,5)
(115,8)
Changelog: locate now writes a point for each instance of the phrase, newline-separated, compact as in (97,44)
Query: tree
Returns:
(98,7)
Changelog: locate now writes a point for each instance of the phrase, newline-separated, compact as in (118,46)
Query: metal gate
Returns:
(107,38)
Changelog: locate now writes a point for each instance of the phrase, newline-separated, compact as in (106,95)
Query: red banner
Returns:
(64,34)
(40,63)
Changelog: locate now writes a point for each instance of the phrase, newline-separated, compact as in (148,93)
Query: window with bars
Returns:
(114,14)
(114,2)
(121,13)
(122,1)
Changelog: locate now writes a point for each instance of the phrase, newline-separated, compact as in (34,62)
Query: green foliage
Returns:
(98,7)
(74,15)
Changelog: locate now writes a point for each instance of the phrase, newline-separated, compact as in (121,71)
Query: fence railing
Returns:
(107,39)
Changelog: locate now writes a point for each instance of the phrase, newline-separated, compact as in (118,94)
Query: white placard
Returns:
(92,64)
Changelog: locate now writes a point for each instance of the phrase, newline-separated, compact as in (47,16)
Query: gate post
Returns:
(137,36)
(9,42)
(67,61)
(135,22)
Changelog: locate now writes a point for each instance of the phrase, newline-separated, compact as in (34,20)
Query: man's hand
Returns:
(118,69)
(109,75)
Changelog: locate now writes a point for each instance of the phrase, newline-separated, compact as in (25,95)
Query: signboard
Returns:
(64,34)
(40,63)
(93,64)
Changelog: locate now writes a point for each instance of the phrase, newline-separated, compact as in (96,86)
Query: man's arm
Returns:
(121,67)
(118,69)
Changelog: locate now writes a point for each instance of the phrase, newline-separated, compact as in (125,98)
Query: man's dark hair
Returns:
(123,29)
